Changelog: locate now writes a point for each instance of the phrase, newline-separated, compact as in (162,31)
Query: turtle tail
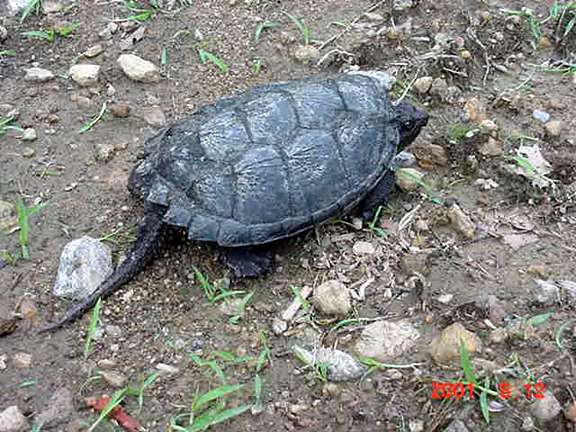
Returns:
(150,235)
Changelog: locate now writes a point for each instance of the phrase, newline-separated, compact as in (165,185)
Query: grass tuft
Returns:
(33,7)
(23,214)
(305,31)
(207,56)
(91,123)
(264,26)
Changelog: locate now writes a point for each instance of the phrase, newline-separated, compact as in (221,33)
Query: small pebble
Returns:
(28,152)
(554,128)
(541,115)
(115,379)
(29,134)
(423,84)
(22,360)
(93,51)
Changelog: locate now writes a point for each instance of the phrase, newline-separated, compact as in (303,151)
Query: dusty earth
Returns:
(450,250)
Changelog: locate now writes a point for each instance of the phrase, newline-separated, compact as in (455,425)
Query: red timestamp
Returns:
(506,390)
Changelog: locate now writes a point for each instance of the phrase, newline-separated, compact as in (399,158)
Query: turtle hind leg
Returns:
(247,262)
(376,197)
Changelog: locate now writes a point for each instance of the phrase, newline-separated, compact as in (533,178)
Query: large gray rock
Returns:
(12,420)
(384,340)
(84,264)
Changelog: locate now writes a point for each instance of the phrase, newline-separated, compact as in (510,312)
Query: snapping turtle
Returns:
(266,165)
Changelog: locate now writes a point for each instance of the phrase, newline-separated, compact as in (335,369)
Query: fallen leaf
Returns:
(530,163)
(125,421)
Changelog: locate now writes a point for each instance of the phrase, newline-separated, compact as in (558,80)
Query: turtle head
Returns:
(410,121)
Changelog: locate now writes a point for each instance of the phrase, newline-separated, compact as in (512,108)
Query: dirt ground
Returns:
(491,70)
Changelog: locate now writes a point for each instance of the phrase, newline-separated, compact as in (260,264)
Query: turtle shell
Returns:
(271,162)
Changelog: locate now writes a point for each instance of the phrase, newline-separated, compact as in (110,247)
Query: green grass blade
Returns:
(304,31)
(33,5)
(114,402)
(145,384)
(207,56)
(539,319)
(164,59)
(258,389)
(466,364)
(38,34)
(227,294)
(558,335)
(484,401)
(214,394)
(264,26)
(92,327)
(90,124)
(204,423)
(67,30)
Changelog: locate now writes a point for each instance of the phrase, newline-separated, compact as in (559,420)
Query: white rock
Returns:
(279,326)
(36,74)
(84,264)
(115,379)
(333,298)
(404,159)
(108,31)
(546,292)
(29,134)
(341,366)
(15,6)
(52,6)
(85,75)
(400,5)
(363,248)
(541,115)
(12,420)
(139,69)
(167,369)
(93,51)
(385,340)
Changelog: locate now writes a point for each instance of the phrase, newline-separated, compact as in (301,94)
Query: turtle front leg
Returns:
(377,196)
(247,262)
